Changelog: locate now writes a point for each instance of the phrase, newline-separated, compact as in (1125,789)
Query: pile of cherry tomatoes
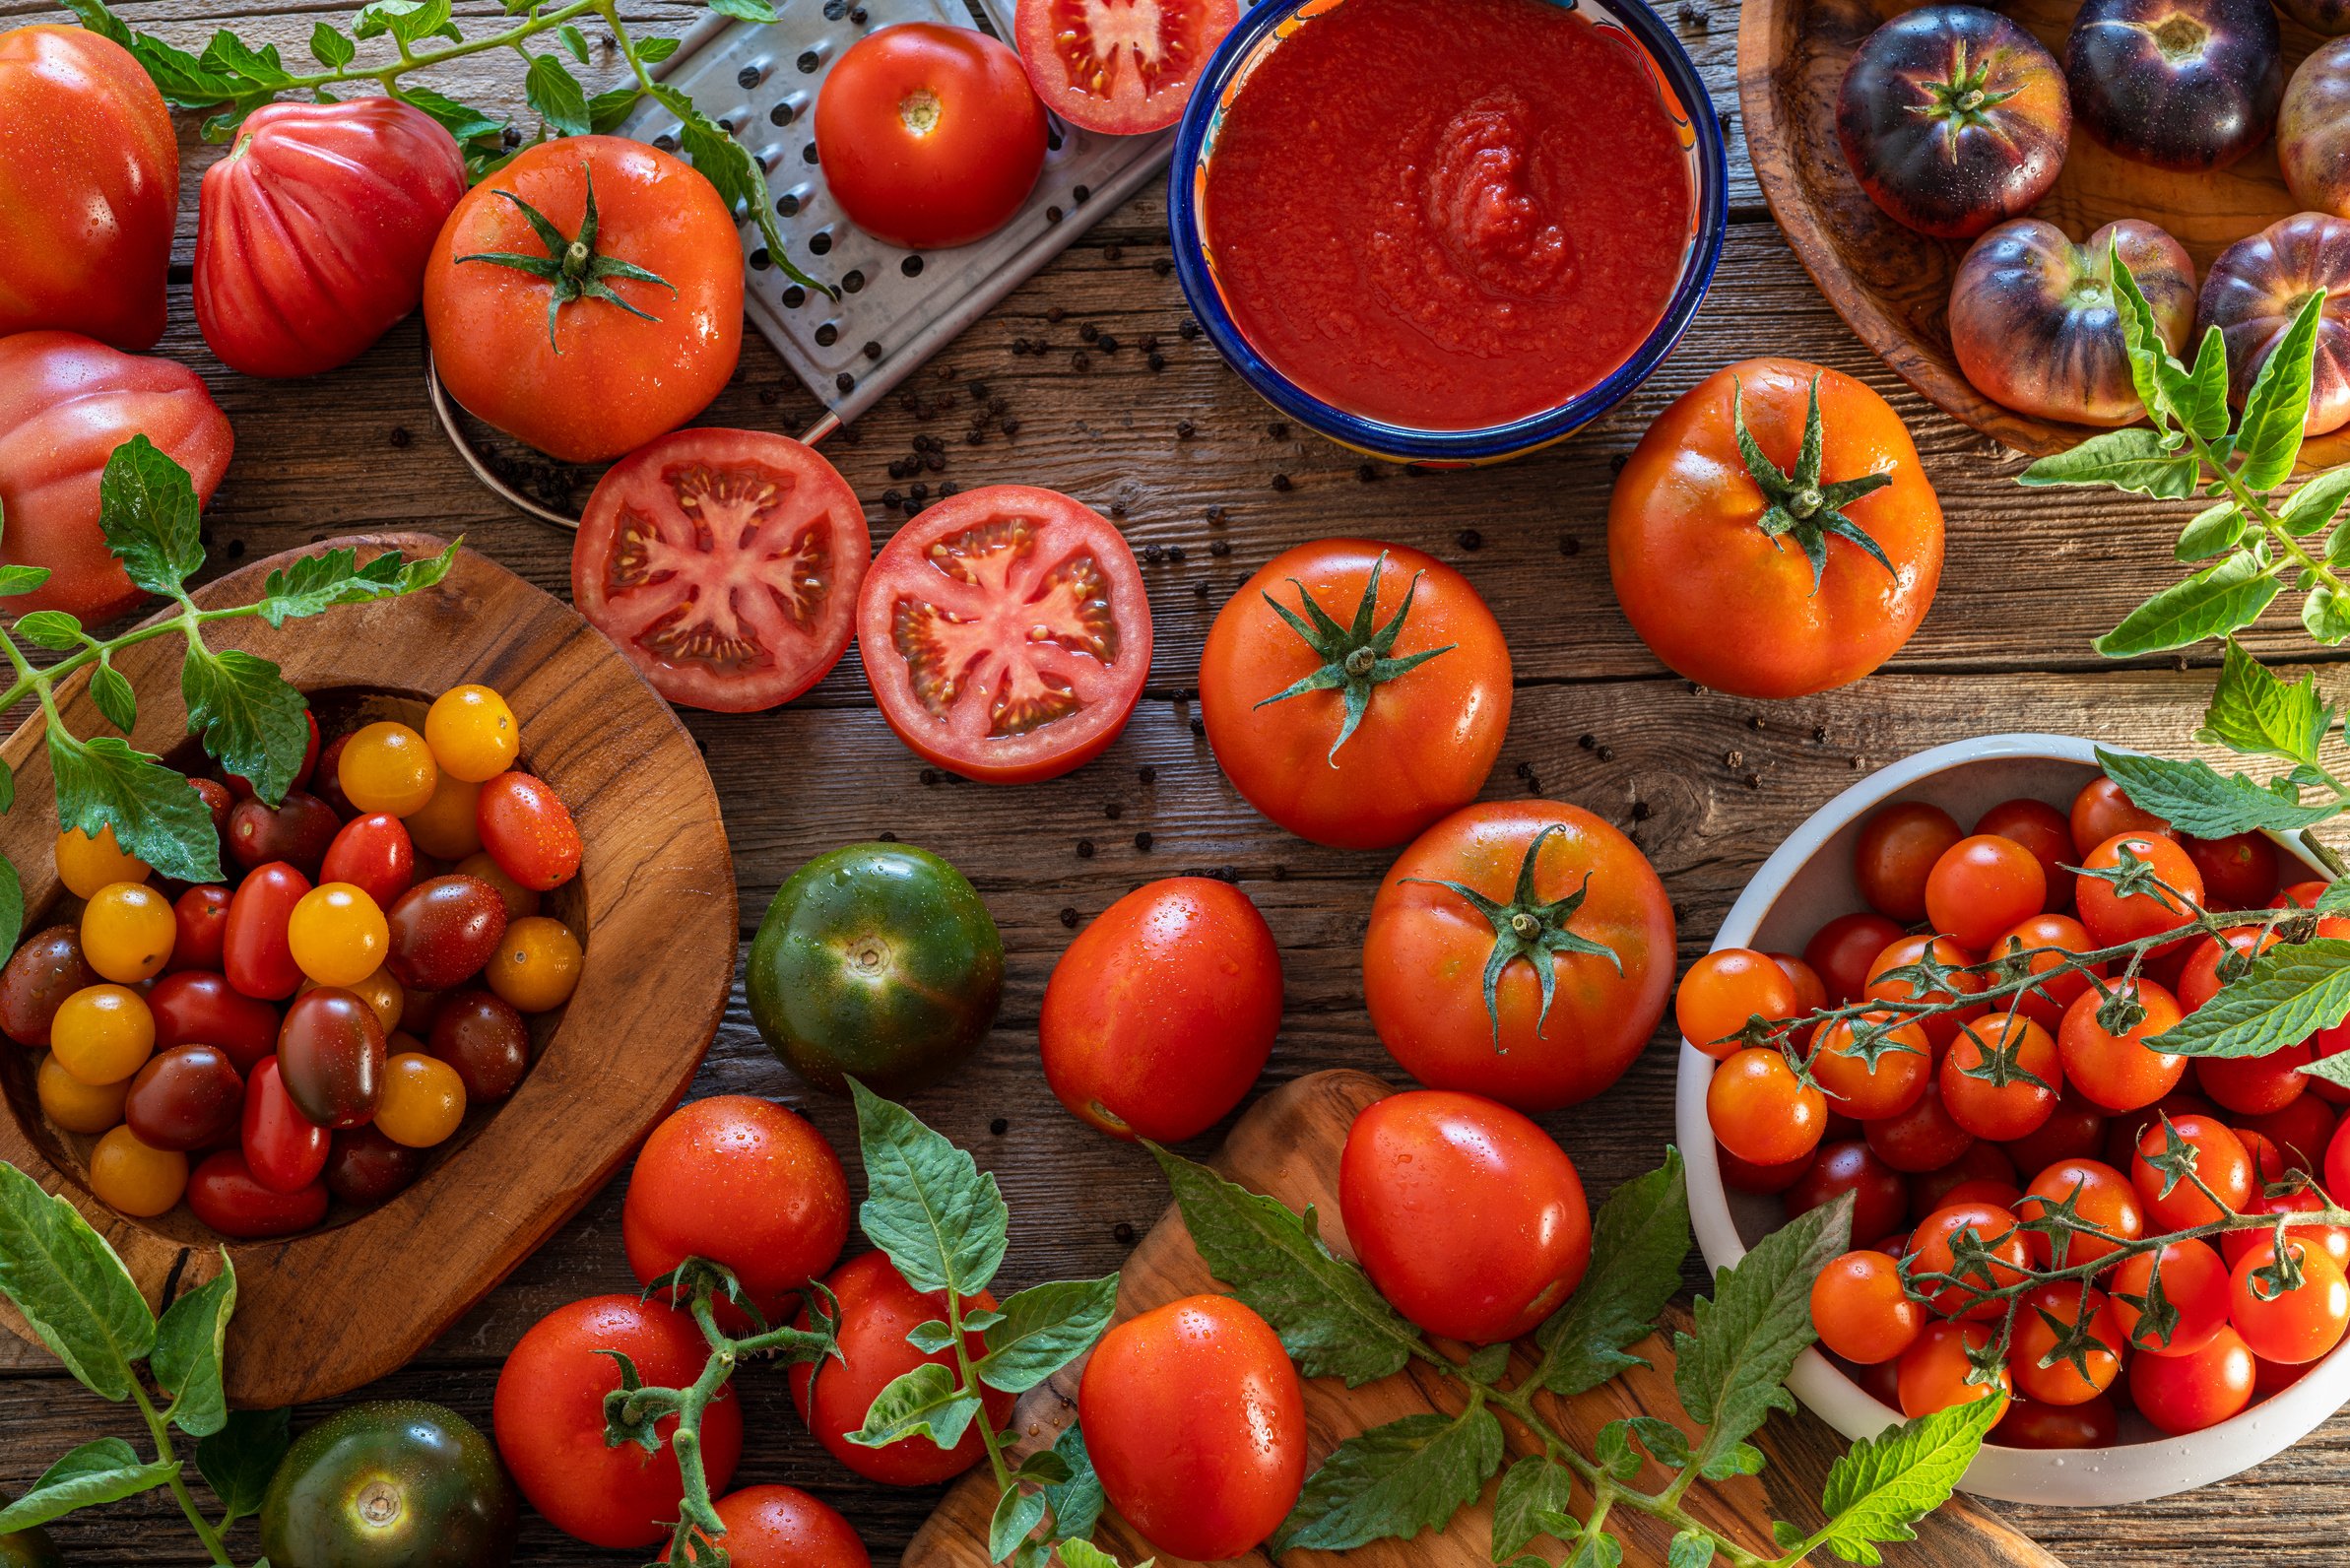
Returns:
(1986,1117)
(304,1034)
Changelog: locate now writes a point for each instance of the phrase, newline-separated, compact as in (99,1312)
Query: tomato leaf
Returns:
(1602,1550)
(11,892)
(314,584)
(1638,1242)
(72,1289)
(2200,397)
(1043,1328)
(52,630)
(16,580)
(1076,1502)
(253,724)
(104,782)
(460,120)
(104,1471)
(331,48)
(112,691)
(942,1220)
(2253,713)
(178,76)
(550,89)
(188,1345)
(411,22)
(2268,438)
(1331,1319)
(237,1460)
(1018,1512)
(606,111)
(1532,1487)
(1731,1372)
(2196,798)
(1394,1481)
(2214,602)
(2290,992)
(1086,1554)
(2324,615)
(923,1402)
(1882,1485)
(745,10)
(728,165)
(2213,531)
(1690,1548)
(2133,459)
(253,71)
(2315,504)
(147,509)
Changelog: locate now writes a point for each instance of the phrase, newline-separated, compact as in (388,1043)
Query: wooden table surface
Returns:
(1208,483)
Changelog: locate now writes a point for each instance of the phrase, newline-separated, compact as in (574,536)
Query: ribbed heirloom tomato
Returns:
(1355,691)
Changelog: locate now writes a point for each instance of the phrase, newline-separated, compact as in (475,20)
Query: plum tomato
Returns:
(1005,634)
(2290,1307)
(1726,991)
(390,1481)
(127,932)
(930,135)
(876,961)
(2041,828)
(877,1309)
(285,1150)
(448,827)
(254,952)
(743,1182)
(2182,1394)
(2101,810)
(1872,1064)
(1932,969)
(444,931)
(367,1168)
(1387,716)
(194,1007)
(297,830)
(103,1033)
(222,1193)
(1727,601)
(1981,886)
(1468,1218)
(331,1054)
(374,854)
(548,1415)
(472,733)
(2186,84)
(527,829)
(1933,1251)
(1196,1423)
(1520,949)
(2092,1424)
(134,1177)
(1936,1373)
(2045,1315)
(1922,1138)
(187,1097)
(2311,123)
(2134,904)
(1953,118)
(2195,1281)
(1843,950)
(386,766)
(2038,946)
(1761,1111)
(423,1100)
(2035,319)
(1861,1311)
(2098,1196)
(2259,284)
(1881,1194)
(2121,1072)
(337,935)
(39,977)
(2219,1160)
(484,1039)
(1896,853)
(782,1526)
(2001,1076)
(1161,1013)
(537,965)
(201,918)
(2239,872)
(1119,69)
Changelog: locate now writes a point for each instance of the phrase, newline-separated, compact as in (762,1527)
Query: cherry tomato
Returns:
(2121,1072)
(254,952)
(386,766)
(2042,829)
(1861,1311)
(485,1041)
(2331,1240)
(337,935)
(2092,1424)
(2002,1078)
(1843,950)
(1468,1218)
(76,1106)
(86,864)
(134,1177)
(1859,1088)
(537,965)
(103,1033)
(2195,1281)
(448,827)
(1196,1423)
(444,931)
(1812,992)
(1746,1177)
(2239,872)
(521,902)
(2122,1132)
(385,997)
(1104,73)
(187,1097)
(2037,945)
(218,800)
(285,1150)
(421,1102)
(2076,1131)
(2182,1394)
(1725,990)
(2099,1194)
(2101,810)
(367,1168)
(200,918)
(781,1527)
(743,1182)
(2113,916)
(2289,1326)
(1935,1372)
(549,1418)
(1929,969)
(1896,854)
(39,977)
(472,732)
(1922,1138)
(2044,1376)
(2299,1132)
(1932,1253)
(327,781)
(297,830)
(193,1007)
(127,932)
(2256,1085)
(1881,1194)
(1982,887)
(2220,1161)
(223,1194)
(527,830)
(1760,1110)
(374,854)
(331,1054)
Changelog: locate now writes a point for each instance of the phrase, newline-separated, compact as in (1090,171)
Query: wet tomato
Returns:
(1981,886)
(2047,1315)
(2121,1072)
(254,953)
(2195,1281)
(297,830)
(2116,914)
(537,965)
(472,733)
(423,1100)
(2221,1166)
(390,1481)
(527,829)
(2097,1195)
(127,932)
(1933,1251)
(2101,810)
(444,931)
(1119,69)
(1861,1311)
(2295,1323)
(2182,1394)
(2239,873)
(366,1168)
(194,1007)
(337,935)
(1843,950)
(1005,634)
(76,1106)
(2001,1076)
(222,1193)
(374,854)
(331,1054)
(187,1097)
(1762,1112)
(1933,1373)
(2313,119)
(2041,828)
(782,1526)
(2187,85)
(2092,1424)
(1726,991)
(103,1033)
(200,915)
(39,977)
(1872,1064)
(1932,969)
(2038,946)
(1896,854)
(484,1039)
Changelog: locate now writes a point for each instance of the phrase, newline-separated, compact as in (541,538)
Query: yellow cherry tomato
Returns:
(127,931)
(337,935)
(134,1178)
(536,966)
(387,767)
(85,865)
(448,827)
(472,733)
(520,900)
(423,1100)
(385,997)
(103,1033)
(76,1106)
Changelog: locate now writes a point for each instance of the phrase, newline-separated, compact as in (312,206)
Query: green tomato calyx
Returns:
(1529,928)
(571,267)
(1356,660)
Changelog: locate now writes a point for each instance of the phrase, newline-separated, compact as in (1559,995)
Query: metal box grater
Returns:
(896,308)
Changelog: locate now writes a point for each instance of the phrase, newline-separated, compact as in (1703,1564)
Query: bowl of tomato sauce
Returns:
(1447,231)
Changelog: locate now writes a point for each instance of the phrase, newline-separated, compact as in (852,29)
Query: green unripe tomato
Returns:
(393,1483)
(29,1548)
(877,963)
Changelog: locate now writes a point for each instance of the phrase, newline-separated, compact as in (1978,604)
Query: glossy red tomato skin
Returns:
(200,1006)
(1843,950)
(1122,83)
(527,830)
(929,136)
(2112,918)
(374,854)
(2093,1423)
(2043,830)
(2182,1394)
(187,1097)
(1028,544)
(66,403)
(367,1168)
(609,382)
(1161,1013)
(90,188)
(331,1054)
(444,931)
(782,1526)
(1468,1218)
(2239,873)
(200,927)
(484,1038)
(1896,854)
(284,1149)
(743,1182)
(222,1193)
(1425,956)
(549,1418)
(1195,1421)
(254,952)
(1881,1194)
(312,233)
(1429,739)
(299,830)
(876,1309)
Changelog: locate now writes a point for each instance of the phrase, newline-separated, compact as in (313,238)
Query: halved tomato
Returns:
(1006,632)
(725,565)
(1120,66)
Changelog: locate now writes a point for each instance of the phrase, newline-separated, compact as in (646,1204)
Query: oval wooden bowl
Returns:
(1891,283)
(322,1313)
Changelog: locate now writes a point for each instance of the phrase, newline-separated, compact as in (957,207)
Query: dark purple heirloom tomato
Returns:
(2313,131)
(2035,323)
(2179,84)
(2257,286)
(1953,118)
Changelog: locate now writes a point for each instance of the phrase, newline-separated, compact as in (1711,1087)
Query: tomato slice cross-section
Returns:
(1120,66)
(725,565)
(1006,632)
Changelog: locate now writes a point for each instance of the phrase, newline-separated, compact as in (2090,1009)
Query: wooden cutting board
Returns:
(1288,1145)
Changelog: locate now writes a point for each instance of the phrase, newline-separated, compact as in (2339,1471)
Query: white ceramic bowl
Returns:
(1807,882)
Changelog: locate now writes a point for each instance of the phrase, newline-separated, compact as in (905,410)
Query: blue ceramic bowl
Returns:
(1685,102)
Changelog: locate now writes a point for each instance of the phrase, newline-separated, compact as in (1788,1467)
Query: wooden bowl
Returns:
(1891,283)
(322,1313)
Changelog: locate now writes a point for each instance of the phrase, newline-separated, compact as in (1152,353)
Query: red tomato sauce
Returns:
(1447,213)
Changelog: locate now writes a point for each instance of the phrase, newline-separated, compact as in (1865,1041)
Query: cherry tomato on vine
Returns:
(1724,990)
(2002,1078)
(1842,952)
(2239,872)
(2256,1085)
(1983,886)
(2037,945)
(1899,847)
(2042,829)
(2101,810)
(2095,1193)
(2299,1131)
(2333,1240)
(1933,1373)
(1866,1091)
(1761,1112)
(1929,969)
(2220,1162)
(2121,1072)
(1932,1252)
(2114,914)
(1861,1311)
(1812,992)
(2182,1394)
(2063,1381)
(2289,1324)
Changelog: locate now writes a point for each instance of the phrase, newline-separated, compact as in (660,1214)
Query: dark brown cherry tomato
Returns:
(332,1057)
(201,918)
(484,1039)
(1896,853)
(285,1150)
(296,831)
(444,931)
(2035,324)
(2187,85)
(2257,286)
(373,853)
(1953,118)
(1842,953)
(367,1168)
(217,799)
(327,781)
(254,953)
(1881,1194)
(197,1008)
(39,976)
(187,1097)
(527,830)
(2239,872)
(223,1194)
